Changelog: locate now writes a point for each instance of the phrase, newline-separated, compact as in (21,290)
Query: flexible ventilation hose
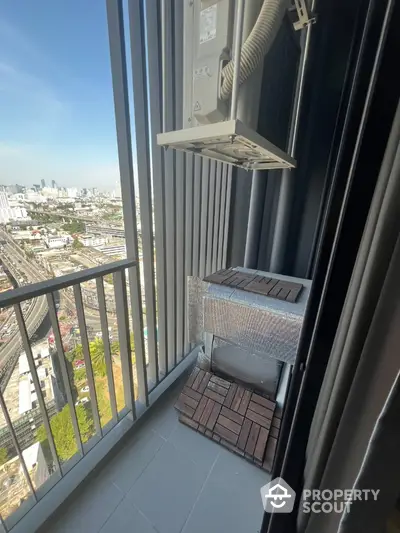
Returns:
(257,44)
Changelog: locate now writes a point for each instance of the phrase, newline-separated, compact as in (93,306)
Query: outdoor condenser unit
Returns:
(221,100)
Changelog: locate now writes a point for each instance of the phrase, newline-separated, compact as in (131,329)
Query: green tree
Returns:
(63,432)
(98,358)
(3,456)
(77,245)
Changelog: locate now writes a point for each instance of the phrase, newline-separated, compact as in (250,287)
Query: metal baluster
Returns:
(86,356)
(36,382)
(124,339)
(106,343)
(64,371)
(17,447)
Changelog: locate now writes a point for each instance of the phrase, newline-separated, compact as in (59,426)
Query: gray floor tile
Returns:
(126,467)
(168,488)
(233,485)
(125,518)
(200,449)
(164,419)
(91,509)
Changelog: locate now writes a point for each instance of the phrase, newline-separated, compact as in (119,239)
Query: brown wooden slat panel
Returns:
(275,290)
(192,393)
(283,294)
(214,396)
(276,422)
(252,440)
(214,415)
(198,379)
(204,382)
(188,421)
(242,428)
(183,408)
(259,409)
(262,401)
(217,388)
(261,443)
(293,295)
(274,432)
(232,415)
(200,409)
(207,412)
(188,401)
(258,419)
(231,394)
(244,402)
(229,424)
(220,276)
(193,376)
(226,434)
(239,279)
(237,399)
(221,382)
(244,434)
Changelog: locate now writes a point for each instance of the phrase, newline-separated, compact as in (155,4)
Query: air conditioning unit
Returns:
(225,45)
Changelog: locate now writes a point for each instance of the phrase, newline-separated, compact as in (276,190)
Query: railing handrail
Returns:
(15,296)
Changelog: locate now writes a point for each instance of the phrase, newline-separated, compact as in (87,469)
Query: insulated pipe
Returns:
(256,46)
(236,58)
(286,190)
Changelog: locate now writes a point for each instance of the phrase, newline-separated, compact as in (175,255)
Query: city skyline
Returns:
(56,95)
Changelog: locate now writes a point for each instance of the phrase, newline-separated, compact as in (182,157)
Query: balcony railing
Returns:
(43,446)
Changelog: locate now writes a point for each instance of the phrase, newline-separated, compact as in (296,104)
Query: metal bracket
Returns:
(304,18)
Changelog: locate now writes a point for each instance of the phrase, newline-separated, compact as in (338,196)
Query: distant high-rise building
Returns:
(54,184)
(43,183)
(36,187)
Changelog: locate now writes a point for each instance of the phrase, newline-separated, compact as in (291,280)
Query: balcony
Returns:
(166,478)
(143,468)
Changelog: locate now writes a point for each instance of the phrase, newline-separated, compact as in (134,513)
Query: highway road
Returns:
(14,259)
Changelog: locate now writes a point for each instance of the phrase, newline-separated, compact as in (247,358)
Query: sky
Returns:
(56,103)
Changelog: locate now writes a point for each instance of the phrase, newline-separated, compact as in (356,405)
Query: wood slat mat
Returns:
(272,287)
(236,417)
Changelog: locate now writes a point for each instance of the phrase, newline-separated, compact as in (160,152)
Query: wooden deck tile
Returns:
(229,424)
(198,379)
(220,381)
(231,394)
(225,433)
(252,440)
(244,402)
(232,415)
(266,413)
(214,415)
(217,388)
(207,412)
(237,399)
(204,383)
(214,396)
(200,409)
(244,434)
(258,419)
(263,401)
